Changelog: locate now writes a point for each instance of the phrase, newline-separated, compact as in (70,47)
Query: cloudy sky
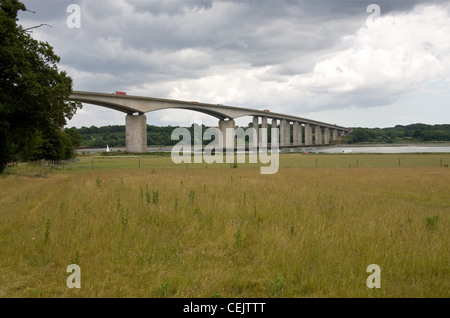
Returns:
(339,61)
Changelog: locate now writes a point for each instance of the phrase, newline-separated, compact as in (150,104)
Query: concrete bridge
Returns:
(136,122)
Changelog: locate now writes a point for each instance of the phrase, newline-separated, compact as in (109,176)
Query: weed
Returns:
(155,197)
(124,218)
(77,258)
(274,289)
(99,182)
(61,207)
(237,239)
(192,195)
(432,221)
(47,230)
(163,290)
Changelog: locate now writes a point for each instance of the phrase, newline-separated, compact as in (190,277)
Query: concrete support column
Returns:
(299,134)
(308,135)
(288,133)
(274,125)
(255,132)
(228,137)
(136,133)
(335,134)
(326,136)
(263,136)
(318,135)
(295,129)
(282,132)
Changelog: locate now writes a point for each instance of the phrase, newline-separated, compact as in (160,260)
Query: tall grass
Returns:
(303,232)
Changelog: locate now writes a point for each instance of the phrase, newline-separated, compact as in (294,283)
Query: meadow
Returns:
(141,226)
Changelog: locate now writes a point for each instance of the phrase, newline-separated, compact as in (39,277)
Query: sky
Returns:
(352,63)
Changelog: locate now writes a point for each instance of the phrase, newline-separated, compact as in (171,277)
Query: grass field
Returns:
(144,227)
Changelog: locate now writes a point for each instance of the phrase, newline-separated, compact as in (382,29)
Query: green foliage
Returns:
(237,239)
(33,95)
(155,197)
(400,134)
(124,218)
(432,221)
(191,195)
(47,230)
(274,288)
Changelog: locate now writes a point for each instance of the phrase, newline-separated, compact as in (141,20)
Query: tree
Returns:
(34,94)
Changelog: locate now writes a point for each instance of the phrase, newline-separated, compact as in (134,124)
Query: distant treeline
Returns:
(400,134)
(114,136)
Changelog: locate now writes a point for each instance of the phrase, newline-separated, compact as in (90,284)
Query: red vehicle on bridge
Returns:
(120,93)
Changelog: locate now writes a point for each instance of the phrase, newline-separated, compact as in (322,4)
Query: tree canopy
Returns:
(33,94)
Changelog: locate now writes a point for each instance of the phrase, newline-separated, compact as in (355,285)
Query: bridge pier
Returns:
(285,133)
(327,136)
(228,137)
(136,133)
(264,134)
(308,135)
(318,135)
(255,133)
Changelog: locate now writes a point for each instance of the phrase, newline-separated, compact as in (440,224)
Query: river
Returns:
(380,148)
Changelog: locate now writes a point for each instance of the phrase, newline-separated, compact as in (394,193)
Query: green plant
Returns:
(124,218)
(432,221)
(155,197)
(274,289)
(77,258)
(99,182)
(237,239)
(191,195)
(47,230)
(163,290)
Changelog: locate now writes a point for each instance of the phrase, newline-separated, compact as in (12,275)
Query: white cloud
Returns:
(392,57)
(292,57)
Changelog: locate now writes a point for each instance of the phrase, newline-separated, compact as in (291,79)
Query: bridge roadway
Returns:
(136,123)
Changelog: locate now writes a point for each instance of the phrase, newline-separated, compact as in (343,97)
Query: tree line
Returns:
(400,134)
(114,136)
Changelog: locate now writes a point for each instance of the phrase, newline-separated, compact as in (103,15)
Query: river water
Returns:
(382,148)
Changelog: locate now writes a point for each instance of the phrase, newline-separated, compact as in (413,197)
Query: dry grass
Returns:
(217,231)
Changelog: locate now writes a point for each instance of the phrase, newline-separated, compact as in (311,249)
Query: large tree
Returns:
(34,94)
